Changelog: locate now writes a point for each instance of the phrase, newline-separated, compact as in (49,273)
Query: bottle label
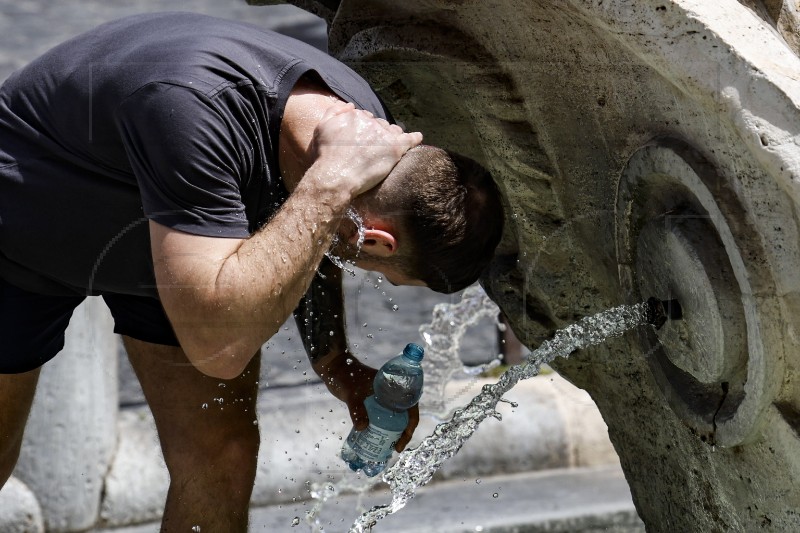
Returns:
(375,444)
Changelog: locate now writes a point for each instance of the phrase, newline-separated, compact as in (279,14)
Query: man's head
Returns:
(437,218)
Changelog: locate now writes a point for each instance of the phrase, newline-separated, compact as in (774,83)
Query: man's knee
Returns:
(229,457)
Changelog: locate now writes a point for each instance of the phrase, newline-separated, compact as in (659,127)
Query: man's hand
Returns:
(350,381)
(358,150)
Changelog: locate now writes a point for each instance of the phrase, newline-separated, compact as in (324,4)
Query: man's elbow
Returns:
(220,362)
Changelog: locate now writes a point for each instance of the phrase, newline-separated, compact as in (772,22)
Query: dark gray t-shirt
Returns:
(172,117)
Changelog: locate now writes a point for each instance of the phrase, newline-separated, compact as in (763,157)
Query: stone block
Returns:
(71,434)
(19,510)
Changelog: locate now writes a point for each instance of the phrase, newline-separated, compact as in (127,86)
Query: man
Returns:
(193,172)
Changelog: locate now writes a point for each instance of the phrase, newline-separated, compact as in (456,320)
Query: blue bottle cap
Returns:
(414,351)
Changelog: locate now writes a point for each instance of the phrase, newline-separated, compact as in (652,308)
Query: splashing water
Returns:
(442,338)
(353,215)
(335,259)
(322,492)
(415,468)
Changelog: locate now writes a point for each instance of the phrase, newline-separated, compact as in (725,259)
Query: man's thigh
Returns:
(194,412)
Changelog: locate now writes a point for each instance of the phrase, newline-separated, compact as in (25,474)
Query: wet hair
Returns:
(449,214)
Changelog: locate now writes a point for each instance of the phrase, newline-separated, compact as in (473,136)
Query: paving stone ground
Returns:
(581,500)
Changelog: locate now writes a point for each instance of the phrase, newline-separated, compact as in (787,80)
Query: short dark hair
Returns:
(449,209)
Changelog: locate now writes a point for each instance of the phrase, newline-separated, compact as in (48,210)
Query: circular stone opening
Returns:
(674,242)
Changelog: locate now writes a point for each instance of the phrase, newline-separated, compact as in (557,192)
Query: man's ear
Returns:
(377,242)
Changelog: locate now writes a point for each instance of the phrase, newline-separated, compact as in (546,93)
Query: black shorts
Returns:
(32,325)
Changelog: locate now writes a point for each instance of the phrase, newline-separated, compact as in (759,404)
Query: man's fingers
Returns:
(405,438)
(412,139)
(366,147)
(385,124)
(358,414)
(337,108)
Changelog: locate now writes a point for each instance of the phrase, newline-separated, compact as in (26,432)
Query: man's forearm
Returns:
(320,315)
(320,319)
(253,288)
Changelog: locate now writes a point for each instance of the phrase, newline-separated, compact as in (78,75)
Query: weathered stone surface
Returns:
(71,434)
(641,147)
(19,510)
(783,15)
(137,480)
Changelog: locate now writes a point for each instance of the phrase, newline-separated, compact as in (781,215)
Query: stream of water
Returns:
(353,215)
(415,468)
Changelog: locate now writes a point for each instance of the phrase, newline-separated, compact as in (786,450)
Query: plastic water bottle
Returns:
(397,387)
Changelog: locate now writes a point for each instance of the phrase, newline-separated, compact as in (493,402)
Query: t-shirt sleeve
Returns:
(188,163)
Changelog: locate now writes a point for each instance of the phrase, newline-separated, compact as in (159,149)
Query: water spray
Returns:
(416,467)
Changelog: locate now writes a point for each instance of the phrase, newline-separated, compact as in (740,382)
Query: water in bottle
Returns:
(396,388)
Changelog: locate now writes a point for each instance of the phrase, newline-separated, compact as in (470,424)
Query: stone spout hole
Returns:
(659,311)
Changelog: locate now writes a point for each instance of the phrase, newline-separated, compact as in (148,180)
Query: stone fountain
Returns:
(642,148)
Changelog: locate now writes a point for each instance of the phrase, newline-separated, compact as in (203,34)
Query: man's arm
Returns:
(320,318)
(226,297)
(320,315)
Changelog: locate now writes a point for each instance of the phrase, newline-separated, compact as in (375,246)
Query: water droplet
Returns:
(205,406)
(196,529)
(478,481)
(348,361)
(395,307)
(296,521)
(495,495)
